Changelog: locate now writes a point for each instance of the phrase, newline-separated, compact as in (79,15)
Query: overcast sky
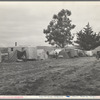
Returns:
(23,22)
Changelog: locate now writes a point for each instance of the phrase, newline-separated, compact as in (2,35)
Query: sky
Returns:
(23,22)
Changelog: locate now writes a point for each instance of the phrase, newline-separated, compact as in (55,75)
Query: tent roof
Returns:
(72,47)
(40,50)
(98,48)
(55,51)
(46,48)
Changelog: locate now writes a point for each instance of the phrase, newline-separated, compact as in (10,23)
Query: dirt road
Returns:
(77,76)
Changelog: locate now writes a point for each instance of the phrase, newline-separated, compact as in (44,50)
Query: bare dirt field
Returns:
(77,76)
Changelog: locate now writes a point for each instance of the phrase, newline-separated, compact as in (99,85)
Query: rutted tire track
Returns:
(60,73)
(63,77)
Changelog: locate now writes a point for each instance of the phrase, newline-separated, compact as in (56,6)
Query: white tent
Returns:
(76,52)
(53,52)
(12,53)
(31,52)
(96,49)
(89,53)
(41,54)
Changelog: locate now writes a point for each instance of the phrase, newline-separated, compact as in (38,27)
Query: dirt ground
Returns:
(77,76)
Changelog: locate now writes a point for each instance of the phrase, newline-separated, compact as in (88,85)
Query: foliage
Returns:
(58,31)
(87,39)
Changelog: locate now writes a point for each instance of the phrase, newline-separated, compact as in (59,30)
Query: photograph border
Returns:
(19,97)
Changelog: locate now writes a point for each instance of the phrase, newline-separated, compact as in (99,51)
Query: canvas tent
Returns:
(31,52)
(12,53)
(67,52)
(81,53)
(75,52)
(64,54)
(41,54)
(72,52)
(46,48)
(96,49)
(89,53)
(53,52)
(16,52)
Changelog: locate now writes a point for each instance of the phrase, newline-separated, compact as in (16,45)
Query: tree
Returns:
(87,39)
(58,31)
